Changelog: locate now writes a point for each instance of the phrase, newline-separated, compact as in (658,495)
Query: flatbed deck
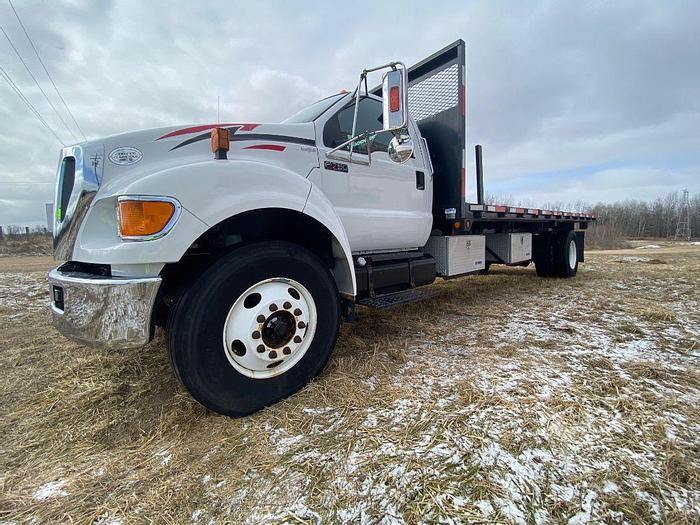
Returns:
(476,212)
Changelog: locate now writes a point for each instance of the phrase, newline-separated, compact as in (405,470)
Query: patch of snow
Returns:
(51,489)
(610,487)
(165,456)
(586,513)
(485,507)
(648,247)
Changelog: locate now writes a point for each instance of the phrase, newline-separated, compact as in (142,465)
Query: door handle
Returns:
(420,180)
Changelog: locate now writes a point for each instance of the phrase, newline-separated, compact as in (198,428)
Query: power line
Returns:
(37,83)
(25,182)
(17,90)
(46,70)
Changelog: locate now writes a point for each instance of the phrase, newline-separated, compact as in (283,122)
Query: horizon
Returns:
(562,116)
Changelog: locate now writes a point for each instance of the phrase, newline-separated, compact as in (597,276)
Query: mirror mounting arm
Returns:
(332,154)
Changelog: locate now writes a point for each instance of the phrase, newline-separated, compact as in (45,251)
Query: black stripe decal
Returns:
(274,138)
(250,136)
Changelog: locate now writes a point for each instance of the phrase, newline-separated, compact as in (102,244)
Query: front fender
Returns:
(320,208)
(209,192)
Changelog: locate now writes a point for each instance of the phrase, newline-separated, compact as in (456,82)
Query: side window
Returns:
(338,129)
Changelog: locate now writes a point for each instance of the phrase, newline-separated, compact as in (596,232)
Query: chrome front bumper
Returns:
(109,312)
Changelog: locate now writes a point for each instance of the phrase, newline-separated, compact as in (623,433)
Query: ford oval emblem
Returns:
(125,156)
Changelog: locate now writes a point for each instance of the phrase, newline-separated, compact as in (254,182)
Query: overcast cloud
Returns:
(571,100)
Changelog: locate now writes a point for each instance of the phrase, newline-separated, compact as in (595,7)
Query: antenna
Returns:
(683,227)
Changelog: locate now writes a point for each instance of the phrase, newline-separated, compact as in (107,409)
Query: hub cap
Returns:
(269,328)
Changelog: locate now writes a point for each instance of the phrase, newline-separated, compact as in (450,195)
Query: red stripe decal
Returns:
(500,209)
(272,147)
(204,127)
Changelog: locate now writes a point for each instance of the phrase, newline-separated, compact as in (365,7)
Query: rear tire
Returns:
(544,254)
(272,353)
(566,255)
(555,254)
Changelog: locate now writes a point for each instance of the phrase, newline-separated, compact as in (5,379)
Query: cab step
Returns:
(391,300)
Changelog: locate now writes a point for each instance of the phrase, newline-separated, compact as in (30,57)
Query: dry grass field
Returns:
(504,399)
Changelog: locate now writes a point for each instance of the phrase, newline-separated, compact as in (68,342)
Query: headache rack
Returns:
(437,103)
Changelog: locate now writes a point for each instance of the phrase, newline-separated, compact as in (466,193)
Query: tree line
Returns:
(625,219)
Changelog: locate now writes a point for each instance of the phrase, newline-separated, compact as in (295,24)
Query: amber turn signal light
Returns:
(219,142)
(394,99)
(143,218)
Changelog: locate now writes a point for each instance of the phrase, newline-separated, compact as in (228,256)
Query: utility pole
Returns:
(683,226)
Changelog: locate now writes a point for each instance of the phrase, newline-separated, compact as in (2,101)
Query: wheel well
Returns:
(252,226)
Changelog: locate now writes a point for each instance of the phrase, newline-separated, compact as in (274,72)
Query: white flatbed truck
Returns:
(250,243)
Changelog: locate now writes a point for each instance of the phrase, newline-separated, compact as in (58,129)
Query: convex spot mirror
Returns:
(395,99)
(400,148)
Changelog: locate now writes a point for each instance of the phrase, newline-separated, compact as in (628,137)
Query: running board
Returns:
(391,300)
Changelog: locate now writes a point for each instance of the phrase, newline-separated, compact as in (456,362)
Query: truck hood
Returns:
(290,145)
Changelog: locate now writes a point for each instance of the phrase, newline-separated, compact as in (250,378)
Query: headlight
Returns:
(144,218)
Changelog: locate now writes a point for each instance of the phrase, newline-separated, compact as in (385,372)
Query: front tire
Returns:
(254,328)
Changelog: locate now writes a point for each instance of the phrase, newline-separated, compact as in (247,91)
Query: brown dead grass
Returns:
(491,371)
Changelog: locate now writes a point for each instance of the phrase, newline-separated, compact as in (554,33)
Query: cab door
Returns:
(384,205)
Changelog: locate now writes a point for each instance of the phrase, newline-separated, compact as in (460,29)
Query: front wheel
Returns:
(257,326)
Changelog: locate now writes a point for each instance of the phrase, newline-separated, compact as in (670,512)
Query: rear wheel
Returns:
(257,326)
(567,255)
(556,254)
(544,254)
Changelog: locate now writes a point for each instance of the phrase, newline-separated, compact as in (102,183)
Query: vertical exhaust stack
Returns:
(479,176)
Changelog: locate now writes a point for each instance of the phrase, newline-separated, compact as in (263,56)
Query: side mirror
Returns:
(400,148)
(395,99)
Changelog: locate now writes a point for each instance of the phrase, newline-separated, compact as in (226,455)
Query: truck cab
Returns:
(250,243)
(382,204)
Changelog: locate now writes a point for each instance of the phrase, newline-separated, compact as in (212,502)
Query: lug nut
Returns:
(273,307)
(297,339)
(287,305)
(286,350)
(273,355)
(256,335)
(261,319)
(297,312)
(301,324)
(261,349)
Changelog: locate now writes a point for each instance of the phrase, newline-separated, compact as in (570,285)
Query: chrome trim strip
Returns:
(108,312)
(89,161)
(159,198)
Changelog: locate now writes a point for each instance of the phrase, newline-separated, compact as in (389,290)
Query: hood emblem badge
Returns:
(125,156)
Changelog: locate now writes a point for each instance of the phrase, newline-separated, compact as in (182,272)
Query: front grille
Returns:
(79,177)
(66,181)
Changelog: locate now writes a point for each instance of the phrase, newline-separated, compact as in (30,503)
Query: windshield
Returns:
(315,110)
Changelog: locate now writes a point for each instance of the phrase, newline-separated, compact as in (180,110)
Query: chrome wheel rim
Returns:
(269,328)
(572,255)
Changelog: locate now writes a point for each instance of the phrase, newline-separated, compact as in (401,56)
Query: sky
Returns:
(573,102)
